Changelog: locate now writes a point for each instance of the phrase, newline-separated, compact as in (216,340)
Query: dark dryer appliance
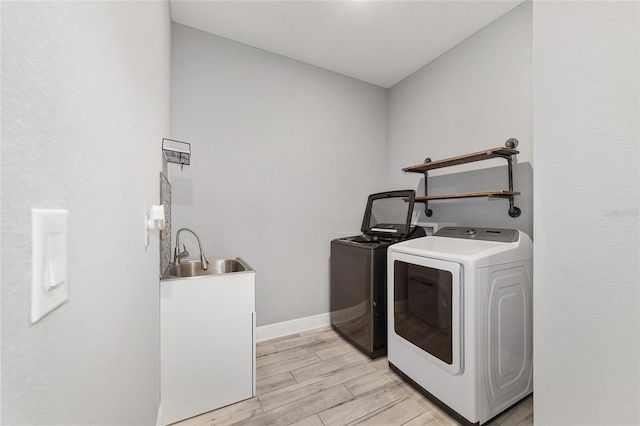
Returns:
(358,280)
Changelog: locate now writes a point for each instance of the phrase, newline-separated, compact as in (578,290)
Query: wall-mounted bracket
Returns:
(176,152)
(513,210)
(427,210)
(512,144)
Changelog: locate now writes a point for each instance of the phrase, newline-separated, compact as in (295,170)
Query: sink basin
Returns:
(193,268)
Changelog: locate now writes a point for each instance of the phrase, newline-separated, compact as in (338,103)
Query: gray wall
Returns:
(473,97)
(284,155)
(587,186)
(85,104)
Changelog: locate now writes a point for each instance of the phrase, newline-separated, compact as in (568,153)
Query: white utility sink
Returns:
(207,339)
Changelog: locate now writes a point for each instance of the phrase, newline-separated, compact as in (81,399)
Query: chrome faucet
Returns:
(178,255)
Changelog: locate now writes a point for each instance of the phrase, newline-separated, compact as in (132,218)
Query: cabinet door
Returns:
(207,344)
(209,371)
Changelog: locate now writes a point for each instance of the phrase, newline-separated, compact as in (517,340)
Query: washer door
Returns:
(427,314)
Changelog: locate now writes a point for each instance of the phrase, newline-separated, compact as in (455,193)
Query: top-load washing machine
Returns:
(358,277)
(460,318)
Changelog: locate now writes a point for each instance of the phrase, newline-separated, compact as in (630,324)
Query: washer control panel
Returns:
(486,234)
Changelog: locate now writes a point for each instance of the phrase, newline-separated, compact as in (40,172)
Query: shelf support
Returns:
(513,210)
(427,210)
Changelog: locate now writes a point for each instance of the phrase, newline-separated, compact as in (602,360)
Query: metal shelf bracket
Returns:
(427,210)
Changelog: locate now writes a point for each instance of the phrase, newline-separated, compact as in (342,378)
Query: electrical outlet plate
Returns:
(49,261)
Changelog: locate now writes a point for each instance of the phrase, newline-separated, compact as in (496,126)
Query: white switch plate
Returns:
(49,261)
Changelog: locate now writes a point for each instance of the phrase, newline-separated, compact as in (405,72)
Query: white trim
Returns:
(270,331)
(159,421)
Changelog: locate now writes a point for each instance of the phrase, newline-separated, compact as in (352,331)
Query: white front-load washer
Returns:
(460,318)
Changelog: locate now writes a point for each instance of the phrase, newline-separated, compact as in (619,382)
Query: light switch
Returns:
(49,261)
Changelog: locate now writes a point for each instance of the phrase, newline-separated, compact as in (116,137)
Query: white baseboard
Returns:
(271,331)
(159,421)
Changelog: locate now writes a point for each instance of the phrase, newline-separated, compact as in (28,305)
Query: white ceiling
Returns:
(380,42)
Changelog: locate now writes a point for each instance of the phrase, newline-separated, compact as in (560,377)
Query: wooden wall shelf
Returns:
(489,194)
(462,159)
(507,152)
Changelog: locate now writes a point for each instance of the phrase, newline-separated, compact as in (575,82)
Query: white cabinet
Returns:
(207,343)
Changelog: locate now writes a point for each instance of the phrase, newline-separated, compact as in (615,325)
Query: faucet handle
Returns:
(177,255)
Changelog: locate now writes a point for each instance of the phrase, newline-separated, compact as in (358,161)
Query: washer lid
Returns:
(388,214)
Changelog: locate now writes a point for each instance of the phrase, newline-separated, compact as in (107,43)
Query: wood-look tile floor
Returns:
(318,378)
